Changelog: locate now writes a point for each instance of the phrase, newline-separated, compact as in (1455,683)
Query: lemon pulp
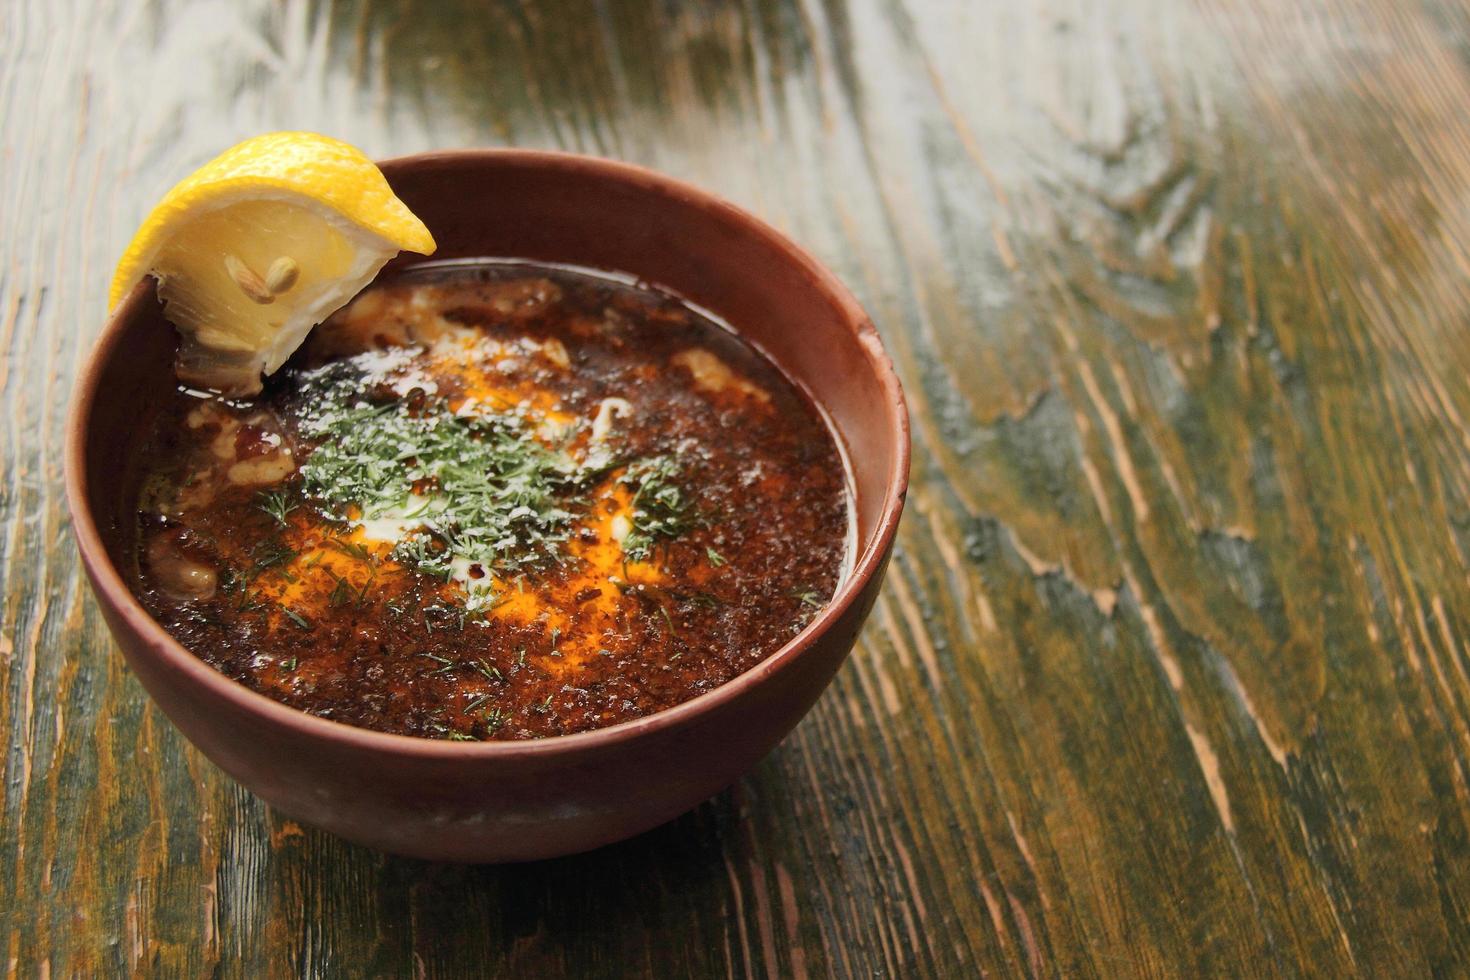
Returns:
(259,245)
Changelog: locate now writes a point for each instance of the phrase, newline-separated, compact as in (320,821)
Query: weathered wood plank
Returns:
(1170,674)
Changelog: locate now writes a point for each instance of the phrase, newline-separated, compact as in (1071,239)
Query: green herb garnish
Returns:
(342,593)
(352,549)
(473,492)
(276,504)
(660,507)
(498,497)
(268,554)
(296,617)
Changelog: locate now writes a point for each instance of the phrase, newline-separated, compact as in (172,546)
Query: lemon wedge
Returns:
(261,244)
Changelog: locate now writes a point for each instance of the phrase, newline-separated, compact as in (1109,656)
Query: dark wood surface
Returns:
(1170,674)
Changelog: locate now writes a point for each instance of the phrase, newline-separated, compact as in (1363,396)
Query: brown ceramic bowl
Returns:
(514,801)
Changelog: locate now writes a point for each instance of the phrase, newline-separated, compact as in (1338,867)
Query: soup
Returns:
(494,501)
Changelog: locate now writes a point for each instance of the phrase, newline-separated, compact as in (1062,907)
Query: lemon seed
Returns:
(246,278)
(281,276)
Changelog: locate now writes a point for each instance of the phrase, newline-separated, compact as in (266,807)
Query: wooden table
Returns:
(1171,672)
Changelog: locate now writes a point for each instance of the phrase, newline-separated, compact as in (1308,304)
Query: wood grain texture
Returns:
(1170,674)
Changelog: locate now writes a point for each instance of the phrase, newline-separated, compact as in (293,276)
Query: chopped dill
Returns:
(661,509)
(296,618)
(501,498)
(276,504)
(426,553)
(268,554)
(342,593)
(715,558)
(366,585)
(352,549)
(468,489)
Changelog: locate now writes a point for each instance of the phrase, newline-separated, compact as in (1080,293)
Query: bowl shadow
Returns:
(596,912)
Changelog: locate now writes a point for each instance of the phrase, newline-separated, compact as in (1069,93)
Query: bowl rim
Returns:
(115,592)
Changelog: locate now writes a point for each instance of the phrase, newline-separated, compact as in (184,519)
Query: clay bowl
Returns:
(516,801)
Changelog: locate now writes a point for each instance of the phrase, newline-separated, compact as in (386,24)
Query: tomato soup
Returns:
(495,500)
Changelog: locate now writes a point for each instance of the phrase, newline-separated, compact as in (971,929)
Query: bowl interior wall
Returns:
(135,379)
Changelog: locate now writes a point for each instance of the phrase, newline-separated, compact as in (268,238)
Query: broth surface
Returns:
(495,501)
